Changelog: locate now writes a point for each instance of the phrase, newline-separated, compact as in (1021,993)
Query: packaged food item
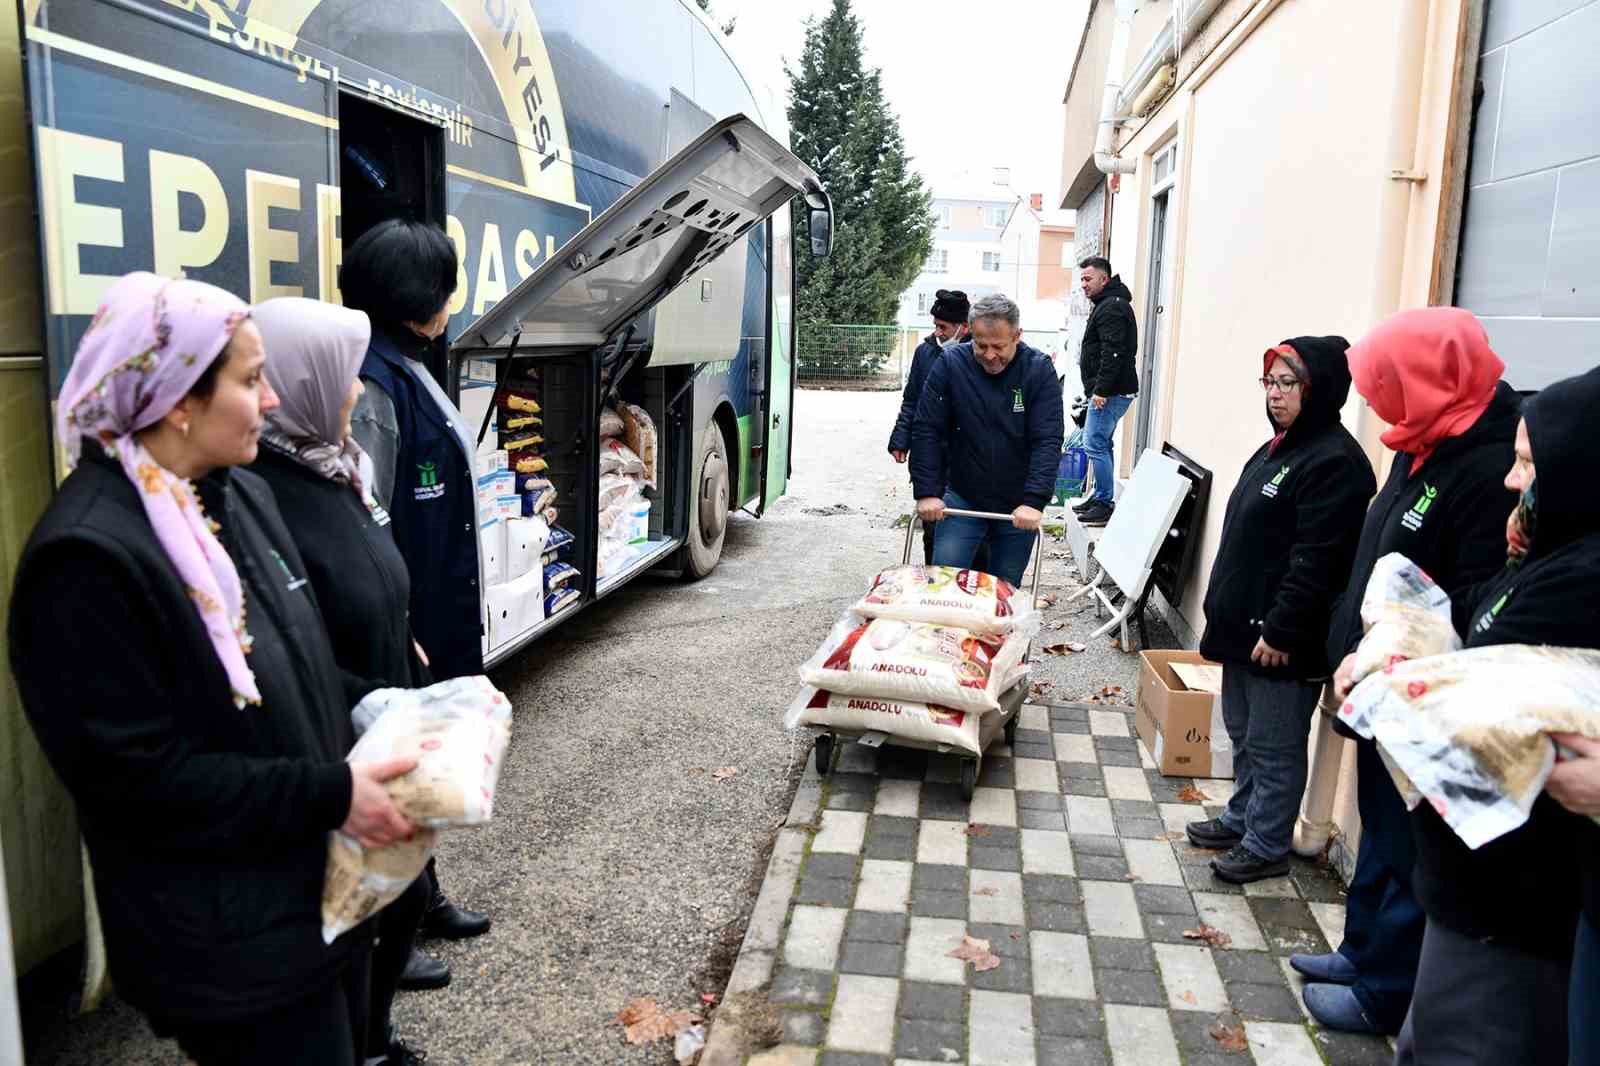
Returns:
(559,548)
(558,576)
(530,464)
(559,599)
(916,663)
(948,596)
(458,731)
(911,721)
(617,458)
(518,443)
(1405,615)
(615,488)
(610,424)
(549,514)
(525,541)
(515,401)
(639,433)
(538,497)
(1467,730)
(534,483)
(523,422)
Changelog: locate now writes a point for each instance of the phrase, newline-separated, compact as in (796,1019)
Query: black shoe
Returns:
(1211,833)
(401,1055)
(423,973)
(1242,866)
(445,921)
(1096,514)
(1083,505)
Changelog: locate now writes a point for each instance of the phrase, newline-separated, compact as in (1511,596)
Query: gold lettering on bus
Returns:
(263,192)
(69,224)
(330,249)
(491,283)
(175,248)
(458,236)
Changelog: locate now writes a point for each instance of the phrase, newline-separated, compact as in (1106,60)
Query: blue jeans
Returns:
(1583,1011)
(1097,431)
(957,542)
(1268,720)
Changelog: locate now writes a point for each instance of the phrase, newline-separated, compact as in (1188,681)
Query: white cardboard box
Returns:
(525,541)
(492,550)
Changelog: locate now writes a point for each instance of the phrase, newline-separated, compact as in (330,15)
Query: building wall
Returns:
(1057,272)
(964,242)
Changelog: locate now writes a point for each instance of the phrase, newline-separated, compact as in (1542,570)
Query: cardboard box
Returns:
(492,550)
(1183,729)
(525,541)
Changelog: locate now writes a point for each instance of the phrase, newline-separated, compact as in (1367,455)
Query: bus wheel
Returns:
(708,526)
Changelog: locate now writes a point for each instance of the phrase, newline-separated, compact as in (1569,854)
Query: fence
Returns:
(873,357)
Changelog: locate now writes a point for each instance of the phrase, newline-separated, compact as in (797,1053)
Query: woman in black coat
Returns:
(1288,538)
(321,480)
(173,663)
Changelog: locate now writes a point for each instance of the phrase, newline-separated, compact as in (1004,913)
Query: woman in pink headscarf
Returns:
(174,665)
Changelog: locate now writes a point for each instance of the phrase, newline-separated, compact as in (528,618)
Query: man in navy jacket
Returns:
(992,408)
(950,310)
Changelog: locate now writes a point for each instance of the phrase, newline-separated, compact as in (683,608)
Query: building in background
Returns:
(1037,271)
(970,214)
(1281,167)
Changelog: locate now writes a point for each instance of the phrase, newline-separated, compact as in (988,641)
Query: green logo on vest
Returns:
(1413,518)
(1270,489)
(1016,400)
(1281,475)
(427,475)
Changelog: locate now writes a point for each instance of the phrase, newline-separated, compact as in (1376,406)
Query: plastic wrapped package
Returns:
(610,424)
(615,488)
(559,599)
(948,596)
(911,721)
(559,548)
(520,442)
(529,464)
(1405,616)
(521,402)
(916,663)
(639,434)
(458,731)
(558,576)
(617,458)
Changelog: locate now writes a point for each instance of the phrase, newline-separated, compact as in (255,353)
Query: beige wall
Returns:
(1055,270)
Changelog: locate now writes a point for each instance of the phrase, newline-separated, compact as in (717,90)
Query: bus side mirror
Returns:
(819,222)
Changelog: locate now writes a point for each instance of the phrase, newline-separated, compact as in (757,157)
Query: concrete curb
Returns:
(759,952)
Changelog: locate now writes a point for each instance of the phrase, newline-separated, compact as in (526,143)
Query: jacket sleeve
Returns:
(1473,548)
(900,438)
(927,434)
(1114,335)
(111,732)
(1046,433)
(1330,508)
(374,426)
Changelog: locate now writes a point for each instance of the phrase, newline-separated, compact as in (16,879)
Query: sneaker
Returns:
(1212,833)
(1336,1007)
(1096,514)
(1332,968)
(1083,505)
(1242,866)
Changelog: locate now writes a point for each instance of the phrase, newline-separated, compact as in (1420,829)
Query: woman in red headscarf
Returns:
(1431,375)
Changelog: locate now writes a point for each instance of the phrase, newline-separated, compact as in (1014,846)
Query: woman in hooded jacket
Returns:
(1288,538)
(321,479)
(205,742)
(1492,986)
(1431,375)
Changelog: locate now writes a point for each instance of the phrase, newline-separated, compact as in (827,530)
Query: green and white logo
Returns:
(1419,510)
(1016,401)
(1270,489)
(427,475)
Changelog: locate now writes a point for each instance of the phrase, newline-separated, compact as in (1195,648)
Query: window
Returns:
(991,261)
(1164,169)
(939,261)
(922,303)
(941,215)
(995,217)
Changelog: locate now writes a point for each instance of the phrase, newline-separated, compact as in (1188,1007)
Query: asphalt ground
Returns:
(620,862)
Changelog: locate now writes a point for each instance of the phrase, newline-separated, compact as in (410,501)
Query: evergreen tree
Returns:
(727,27)
(841,125)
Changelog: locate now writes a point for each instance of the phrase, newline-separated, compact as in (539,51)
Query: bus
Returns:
(615,189)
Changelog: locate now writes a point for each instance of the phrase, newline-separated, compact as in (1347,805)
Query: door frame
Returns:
(1164,180)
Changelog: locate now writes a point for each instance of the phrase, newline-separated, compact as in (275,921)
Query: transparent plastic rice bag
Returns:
(916,663)
(949,596)
(1405,615)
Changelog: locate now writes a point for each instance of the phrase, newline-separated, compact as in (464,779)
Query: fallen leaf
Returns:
(1116,642)
(976,952)
(1190,794)
(1056,625)
(1132,877)
(725,772)
(1229,1037)
(1188,997)
(1045,600)
(695,770)
(1210,934)
(708,998)
(1016,936)
(986,890)
(644,1021)
(977,830)
(1064,648)
(1040,688)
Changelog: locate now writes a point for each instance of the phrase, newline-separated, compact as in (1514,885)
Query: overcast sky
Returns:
(976,85)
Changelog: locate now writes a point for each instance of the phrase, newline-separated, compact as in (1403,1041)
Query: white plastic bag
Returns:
(899,718)
(948,596)
(915,663)
(617,458)
(458,731)
(610,424)
(639,433)
(1405,615)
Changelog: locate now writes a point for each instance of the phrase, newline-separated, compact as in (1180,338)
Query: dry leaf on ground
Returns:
(1045,600)
(977,830)
(976,952)
(708,998)
(725,772)
(644,1021)
(1116,642)
(1210,934)
(1056,625)
(1229,1037)
(691,771)
(986,890)
(1190,794)
(1188,997)
(1041,688)
(1064,647)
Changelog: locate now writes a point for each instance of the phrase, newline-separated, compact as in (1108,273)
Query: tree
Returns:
(727,27)
(841,125)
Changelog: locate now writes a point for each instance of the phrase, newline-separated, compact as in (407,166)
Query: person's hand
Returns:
(1575,783)
(930,508)
(1344,678)
(1098,401)
(374,820)
(899,454)
(1026,517)
(1266,655)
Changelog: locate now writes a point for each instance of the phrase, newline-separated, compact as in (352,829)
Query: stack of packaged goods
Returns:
(922,655)
(627,472)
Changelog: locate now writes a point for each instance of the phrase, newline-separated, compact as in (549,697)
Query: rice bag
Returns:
(533,482)
(458,731)
(1405,615)
(538,496)
(530,464)
(525,404)
(615,488)
(559,546)
(639,433)
(558,576)
(559,599)
(948,596)
(916,663)
(519,442)
(912,721)
(1467,730)
(617,458)
(522,422)
(610,424)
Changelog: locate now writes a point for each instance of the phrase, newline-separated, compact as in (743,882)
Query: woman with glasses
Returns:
(1288,537)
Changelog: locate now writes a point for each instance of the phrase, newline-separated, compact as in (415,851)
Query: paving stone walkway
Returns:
(1069,861)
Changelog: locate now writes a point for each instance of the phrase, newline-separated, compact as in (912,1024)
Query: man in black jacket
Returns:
(991,410)
(1288,537)
(1110,378)
(1431,374)
(950,310)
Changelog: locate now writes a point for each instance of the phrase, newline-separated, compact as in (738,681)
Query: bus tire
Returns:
(710,492)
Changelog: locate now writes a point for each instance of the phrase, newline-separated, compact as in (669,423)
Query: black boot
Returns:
(423,973)
(445,921)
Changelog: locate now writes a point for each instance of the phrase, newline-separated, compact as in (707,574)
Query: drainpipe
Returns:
(1105,157)
(1164,49)
(1315,826)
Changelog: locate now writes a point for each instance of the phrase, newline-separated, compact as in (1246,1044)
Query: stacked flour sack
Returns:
(627,479)
(922,656)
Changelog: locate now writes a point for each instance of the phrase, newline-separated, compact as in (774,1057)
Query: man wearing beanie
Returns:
(950,310)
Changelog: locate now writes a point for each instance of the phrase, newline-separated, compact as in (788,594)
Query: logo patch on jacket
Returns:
(1270,489)
(1486,619)
(428,487)
(1016,401)
(1419,510)
(294,584)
